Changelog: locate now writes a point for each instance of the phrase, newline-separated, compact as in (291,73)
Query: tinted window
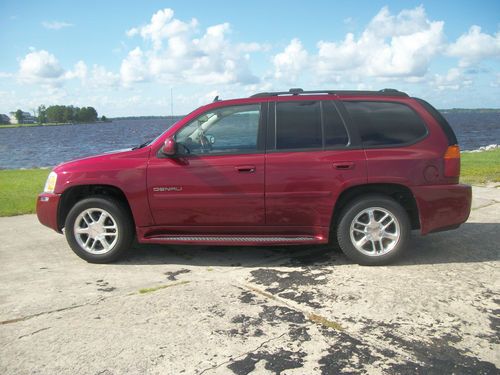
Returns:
(450,134)
(298,125)
(383,123)
(224,130)
(335,132)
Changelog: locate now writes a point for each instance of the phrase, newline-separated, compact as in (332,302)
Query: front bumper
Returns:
(47,205)
(442,207)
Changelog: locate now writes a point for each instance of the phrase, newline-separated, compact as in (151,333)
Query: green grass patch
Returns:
(318,319)
(19,189)
(480,167)
(159,287)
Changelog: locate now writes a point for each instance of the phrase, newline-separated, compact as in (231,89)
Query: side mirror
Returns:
(170,147)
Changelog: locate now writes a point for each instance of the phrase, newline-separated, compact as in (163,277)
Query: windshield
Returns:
(147,143)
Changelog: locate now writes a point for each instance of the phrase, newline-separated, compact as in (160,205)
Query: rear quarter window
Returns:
(386,123)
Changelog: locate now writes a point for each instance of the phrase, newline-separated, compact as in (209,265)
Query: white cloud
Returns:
(289,63)
(178,52)
(40,67)
(162,26)
(132,32)
(97,77)
(454,79)
(401,45)
(101,77)
(56,25)
(133,67)
(79,71)
(475,46)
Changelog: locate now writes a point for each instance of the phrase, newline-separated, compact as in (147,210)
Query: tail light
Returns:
(452,161)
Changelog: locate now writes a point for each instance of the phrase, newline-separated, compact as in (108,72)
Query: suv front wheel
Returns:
(373,230)
(99,230)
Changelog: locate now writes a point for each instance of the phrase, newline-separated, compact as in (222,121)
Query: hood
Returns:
(95,161)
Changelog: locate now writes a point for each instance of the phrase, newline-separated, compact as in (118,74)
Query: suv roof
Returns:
(299,91)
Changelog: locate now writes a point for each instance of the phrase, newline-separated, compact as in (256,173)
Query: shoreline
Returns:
(11,126)
(490,147)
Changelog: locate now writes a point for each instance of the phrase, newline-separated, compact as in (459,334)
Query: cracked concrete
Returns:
(220,310)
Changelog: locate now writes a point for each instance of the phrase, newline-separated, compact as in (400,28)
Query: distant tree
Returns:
(42,114)
(62,113)
(88,114)
(55,113)
(104,118)
(19,116)
(92,113)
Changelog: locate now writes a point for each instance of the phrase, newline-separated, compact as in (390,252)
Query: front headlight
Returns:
(50,185)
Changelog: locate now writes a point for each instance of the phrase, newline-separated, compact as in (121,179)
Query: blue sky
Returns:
(124,57)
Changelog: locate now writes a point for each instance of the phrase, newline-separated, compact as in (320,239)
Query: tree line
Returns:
(66,113)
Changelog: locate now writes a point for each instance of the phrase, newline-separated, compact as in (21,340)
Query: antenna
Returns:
(172,102)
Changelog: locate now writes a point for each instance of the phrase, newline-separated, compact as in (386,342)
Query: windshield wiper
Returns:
(141,145)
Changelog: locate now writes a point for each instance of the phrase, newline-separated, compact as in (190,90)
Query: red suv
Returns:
(357,168)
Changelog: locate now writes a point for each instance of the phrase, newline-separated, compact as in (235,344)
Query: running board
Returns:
(233,240)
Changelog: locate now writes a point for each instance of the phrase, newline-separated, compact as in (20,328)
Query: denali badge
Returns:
(167,188)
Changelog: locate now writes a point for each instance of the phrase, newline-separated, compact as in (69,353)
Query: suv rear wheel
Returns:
(99,230)
(373,230)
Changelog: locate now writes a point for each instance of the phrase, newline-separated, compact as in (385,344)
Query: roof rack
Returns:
(299,91)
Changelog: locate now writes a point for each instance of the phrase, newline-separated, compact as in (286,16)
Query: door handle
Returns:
(245,168)
(343,165)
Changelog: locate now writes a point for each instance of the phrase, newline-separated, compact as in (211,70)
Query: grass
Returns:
(480,167)
(155,288)
(324,322)
(19,188)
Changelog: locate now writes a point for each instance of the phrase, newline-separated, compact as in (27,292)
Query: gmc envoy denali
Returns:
(360,169)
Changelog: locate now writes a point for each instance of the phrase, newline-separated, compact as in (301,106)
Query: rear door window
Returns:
(385,123)
(298,125)
(335,132)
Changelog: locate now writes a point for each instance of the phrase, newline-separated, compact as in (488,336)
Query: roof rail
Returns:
(299,91)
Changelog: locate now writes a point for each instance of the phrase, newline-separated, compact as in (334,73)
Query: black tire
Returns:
(121,220)
(379,205)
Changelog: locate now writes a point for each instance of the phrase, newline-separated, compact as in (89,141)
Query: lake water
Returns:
(29,147)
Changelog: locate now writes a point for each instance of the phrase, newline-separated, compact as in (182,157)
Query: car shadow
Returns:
(471,243)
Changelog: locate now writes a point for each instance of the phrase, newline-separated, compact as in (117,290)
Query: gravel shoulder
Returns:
(220,310)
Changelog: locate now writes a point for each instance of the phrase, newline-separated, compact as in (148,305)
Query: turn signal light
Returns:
(452,161)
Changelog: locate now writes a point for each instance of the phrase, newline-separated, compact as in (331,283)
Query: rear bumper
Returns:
(46,209)
(442,207)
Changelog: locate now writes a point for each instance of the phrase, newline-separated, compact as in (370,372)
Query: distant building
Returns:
(27,118)
(4,119)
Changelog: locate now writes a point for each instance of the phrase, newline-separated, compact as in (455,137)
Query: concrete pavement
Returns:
(220,310)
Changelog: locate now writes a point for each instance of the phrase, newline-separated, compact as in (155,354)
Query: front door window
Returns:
(228,130)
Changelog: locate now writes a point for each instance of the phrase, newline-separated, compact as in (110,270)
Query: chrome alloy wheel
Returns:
(96,231)
(375,231)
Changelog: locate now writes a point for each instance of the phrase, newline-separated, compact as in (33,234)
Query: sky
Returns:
(125,58)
